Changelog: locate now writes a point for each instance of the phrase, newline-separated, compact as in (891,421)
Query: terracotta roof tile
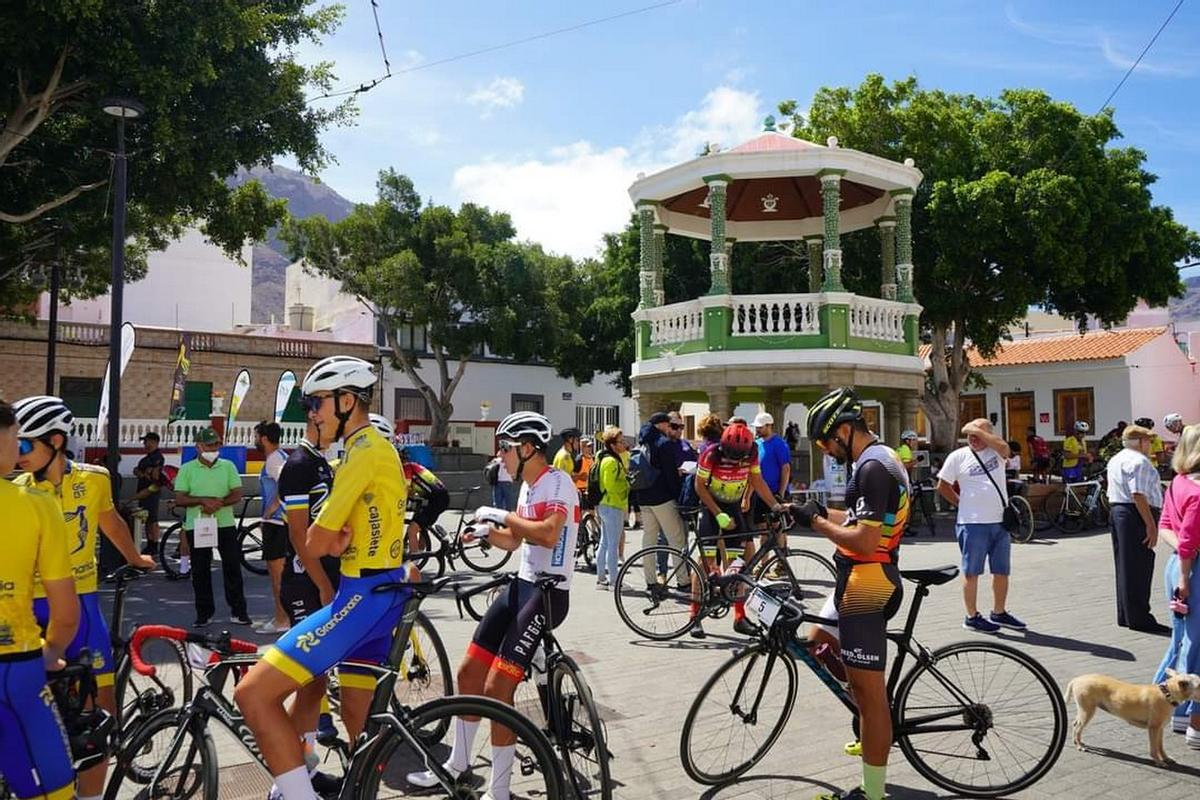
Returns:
(1092,346)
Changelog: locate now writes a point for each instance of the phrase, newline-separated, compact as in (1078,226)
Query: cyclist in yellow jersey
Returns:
(85,495)
(362,521)
(34,758)
(569,457)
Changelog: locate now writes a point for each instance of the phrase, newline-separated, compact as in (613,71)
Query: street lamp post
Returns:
(52,334)
(122,108)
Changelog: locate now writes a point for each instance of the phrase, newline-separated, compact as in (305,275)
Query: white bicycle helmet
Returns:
(339,372)
(383,425)
(1173,422)
(526,424)
(42,414)
(904,437)
(1082,427)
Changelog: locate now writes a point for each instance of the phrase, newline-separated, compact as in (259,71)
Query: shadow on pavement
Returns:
(795,786)
(1063,643)
(1177,768)
(711,642)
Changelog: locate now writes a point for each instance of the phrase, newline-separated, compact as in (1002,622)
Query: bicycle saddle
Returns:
(931,577)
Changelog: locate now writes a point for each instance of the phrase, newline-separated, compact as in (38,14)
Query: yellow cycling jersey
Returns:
(35,548)
(85,494)
(1072,450)
(564,460)
(369,495)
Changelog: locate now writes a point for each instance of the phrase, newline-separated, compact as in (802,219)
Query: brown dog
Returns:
(1146,706)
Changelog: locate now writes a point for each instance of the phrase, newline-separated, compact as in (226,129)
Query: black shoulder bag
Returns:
(1011,520)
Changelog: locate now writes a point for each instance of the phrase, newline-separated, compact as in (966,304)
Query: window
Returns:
(920,429)
(528,402)
(82,395)
(592,419)
(871,416)
(1072,405)
(411,405)
(410,337)
(197,399)
(971,406)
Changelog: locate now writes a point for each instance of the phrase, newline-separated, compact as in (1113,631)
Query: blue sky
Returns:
(554,131)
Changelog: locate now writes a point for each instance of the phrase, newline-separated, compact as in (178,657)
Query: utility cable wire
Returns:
(1141,55)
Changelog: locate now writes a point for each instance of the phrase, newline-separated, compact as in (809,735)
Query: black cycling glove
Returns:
(804,514)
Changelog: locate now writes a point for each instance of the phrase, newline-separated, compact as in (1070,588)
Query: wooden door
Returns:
(1018,419)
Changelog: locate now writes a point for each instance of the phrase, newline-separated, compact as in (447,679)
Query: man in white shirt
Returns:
(1135,496)
(978,470)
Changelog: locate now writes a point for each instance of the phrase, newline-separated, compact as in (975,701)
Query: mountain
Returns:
(306,197)
(1188,306)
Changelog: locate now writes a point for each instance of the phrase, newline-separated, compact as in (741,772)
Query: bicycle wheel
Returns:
(1013,716)
(813,577)
(483,556)
(381,771)
(139,697)
(477,605)
(1098,517)
(589,539)
(185,756)
(250,542)
(168,550)
(424,545)
(580,733)
(739,713)
(424,673)
(660,609)
(1024,531)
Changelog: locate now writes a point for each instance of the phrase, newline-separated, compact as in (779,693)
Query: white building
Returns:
(1102,377)
(192,285)
(491,387)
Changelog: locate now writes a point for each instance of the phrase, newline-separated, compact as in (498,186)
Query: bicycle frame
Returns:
(1073,504)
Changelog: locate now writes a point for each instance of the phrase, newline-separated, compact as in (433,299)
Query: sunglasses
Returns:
(676,427)
(505,445)
(25,446)
(313,402)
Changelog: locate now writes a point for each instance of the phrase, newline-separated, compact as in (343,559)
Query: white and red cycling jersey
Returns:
(549,492)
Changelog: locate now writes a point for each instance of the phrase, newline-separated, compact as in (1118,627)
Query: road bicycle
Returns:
(977,719)
(249,534)
(1020,504)
(563,704)
(588,539)
(479,554)
(1080,506)
(178,750)
(662,609)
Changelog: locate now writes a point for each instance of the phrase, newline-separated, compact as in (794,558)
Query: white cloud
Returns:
(573,195)
(500,93)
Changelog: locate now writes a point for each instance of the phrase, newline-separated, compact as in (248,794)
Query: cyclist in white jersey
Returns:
(544,528)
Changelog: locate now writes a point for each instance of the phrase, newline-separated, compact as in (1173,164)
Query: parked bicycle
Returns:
(661,610)
(563,704)
(1078,507)
(979,719)
(588,539)
(479,554)
(249,535)
(923,508)
(1020,503)
(177,747)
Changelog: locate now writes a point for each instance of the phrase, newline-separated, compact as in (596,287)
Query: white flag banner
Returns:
(241,388)
(128,337)
(283,393)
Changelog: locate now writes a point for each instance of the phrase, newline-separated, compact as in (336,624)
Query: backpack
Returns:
(642,471)
(491,472)
(594,492)
(688,496)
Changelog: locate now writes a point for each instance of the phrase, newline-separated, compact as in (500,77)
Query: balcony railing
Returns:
(179,434)
(778,321)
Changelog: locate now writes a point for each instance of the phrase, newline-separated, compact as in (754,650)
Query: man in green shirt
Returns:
(208,487)
(908,442)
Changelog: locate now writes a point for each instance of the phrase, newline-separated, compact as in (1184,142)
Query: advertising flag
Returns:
(128,337)
(283,393)
(241,388)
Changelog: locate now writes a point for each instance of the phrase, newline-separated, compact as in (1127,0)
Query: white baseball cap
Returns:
(763,419)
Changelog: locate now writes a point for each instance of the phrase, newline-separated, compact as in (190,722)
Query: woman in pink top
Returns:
(1180,528)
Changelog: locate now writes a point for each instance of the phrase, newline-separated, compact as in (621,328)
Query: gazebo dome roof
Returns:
(774,188)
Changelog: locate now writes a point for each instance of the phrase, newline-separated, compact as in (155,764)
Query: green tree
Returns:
(443,284)
(1025,202)
(222,90)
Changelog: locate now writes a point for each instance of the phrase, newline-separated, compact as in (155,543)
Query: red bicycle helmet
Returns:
(737,442)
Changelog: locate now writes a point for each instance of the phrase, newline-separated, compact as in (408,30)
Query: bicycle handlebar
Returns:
(222,643)
(125,574)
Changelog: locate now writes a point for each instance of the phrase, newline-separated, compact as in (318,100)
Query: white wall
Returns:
(191,285)
(1163,380)
(497,382)
(1109,379)
(334,311)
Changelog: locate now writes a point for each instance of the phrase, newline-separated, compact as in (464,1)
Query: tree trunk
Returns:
(948,373)
(439,402)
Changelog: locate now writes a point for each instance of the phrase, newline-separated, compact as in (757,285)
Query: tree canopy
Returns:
(458,276)
(222,90)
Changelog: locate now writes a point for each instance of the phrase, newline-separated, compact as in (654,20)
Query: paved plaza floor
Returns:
(1062,586)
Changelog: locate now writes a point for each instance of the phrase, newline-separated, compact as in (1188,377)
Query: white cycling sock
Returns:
(295,784)
(502,763)
(464,739)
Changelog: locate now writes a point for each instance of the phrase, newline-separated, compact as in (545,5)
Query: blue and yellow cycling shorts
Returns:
(92,634)
(34,755)
(356,627)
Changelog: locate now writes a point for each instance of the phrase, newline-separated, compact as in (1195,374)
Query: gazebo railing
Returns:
(881,320)
(772,314)
(679,322)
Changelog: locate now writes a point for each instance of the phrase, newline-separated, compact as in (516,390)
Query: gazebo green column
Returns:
(718,258)
(831,194)
(646,271)
(887,255)
(904,253)
(660,252)
(814,262)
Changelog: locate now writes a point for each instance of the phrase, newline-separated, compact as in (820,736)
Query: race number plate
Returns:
(763,606)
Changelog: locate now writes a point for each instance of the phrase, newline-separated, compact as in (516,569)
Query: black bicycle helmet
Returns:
(1145,422)
(825,415)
